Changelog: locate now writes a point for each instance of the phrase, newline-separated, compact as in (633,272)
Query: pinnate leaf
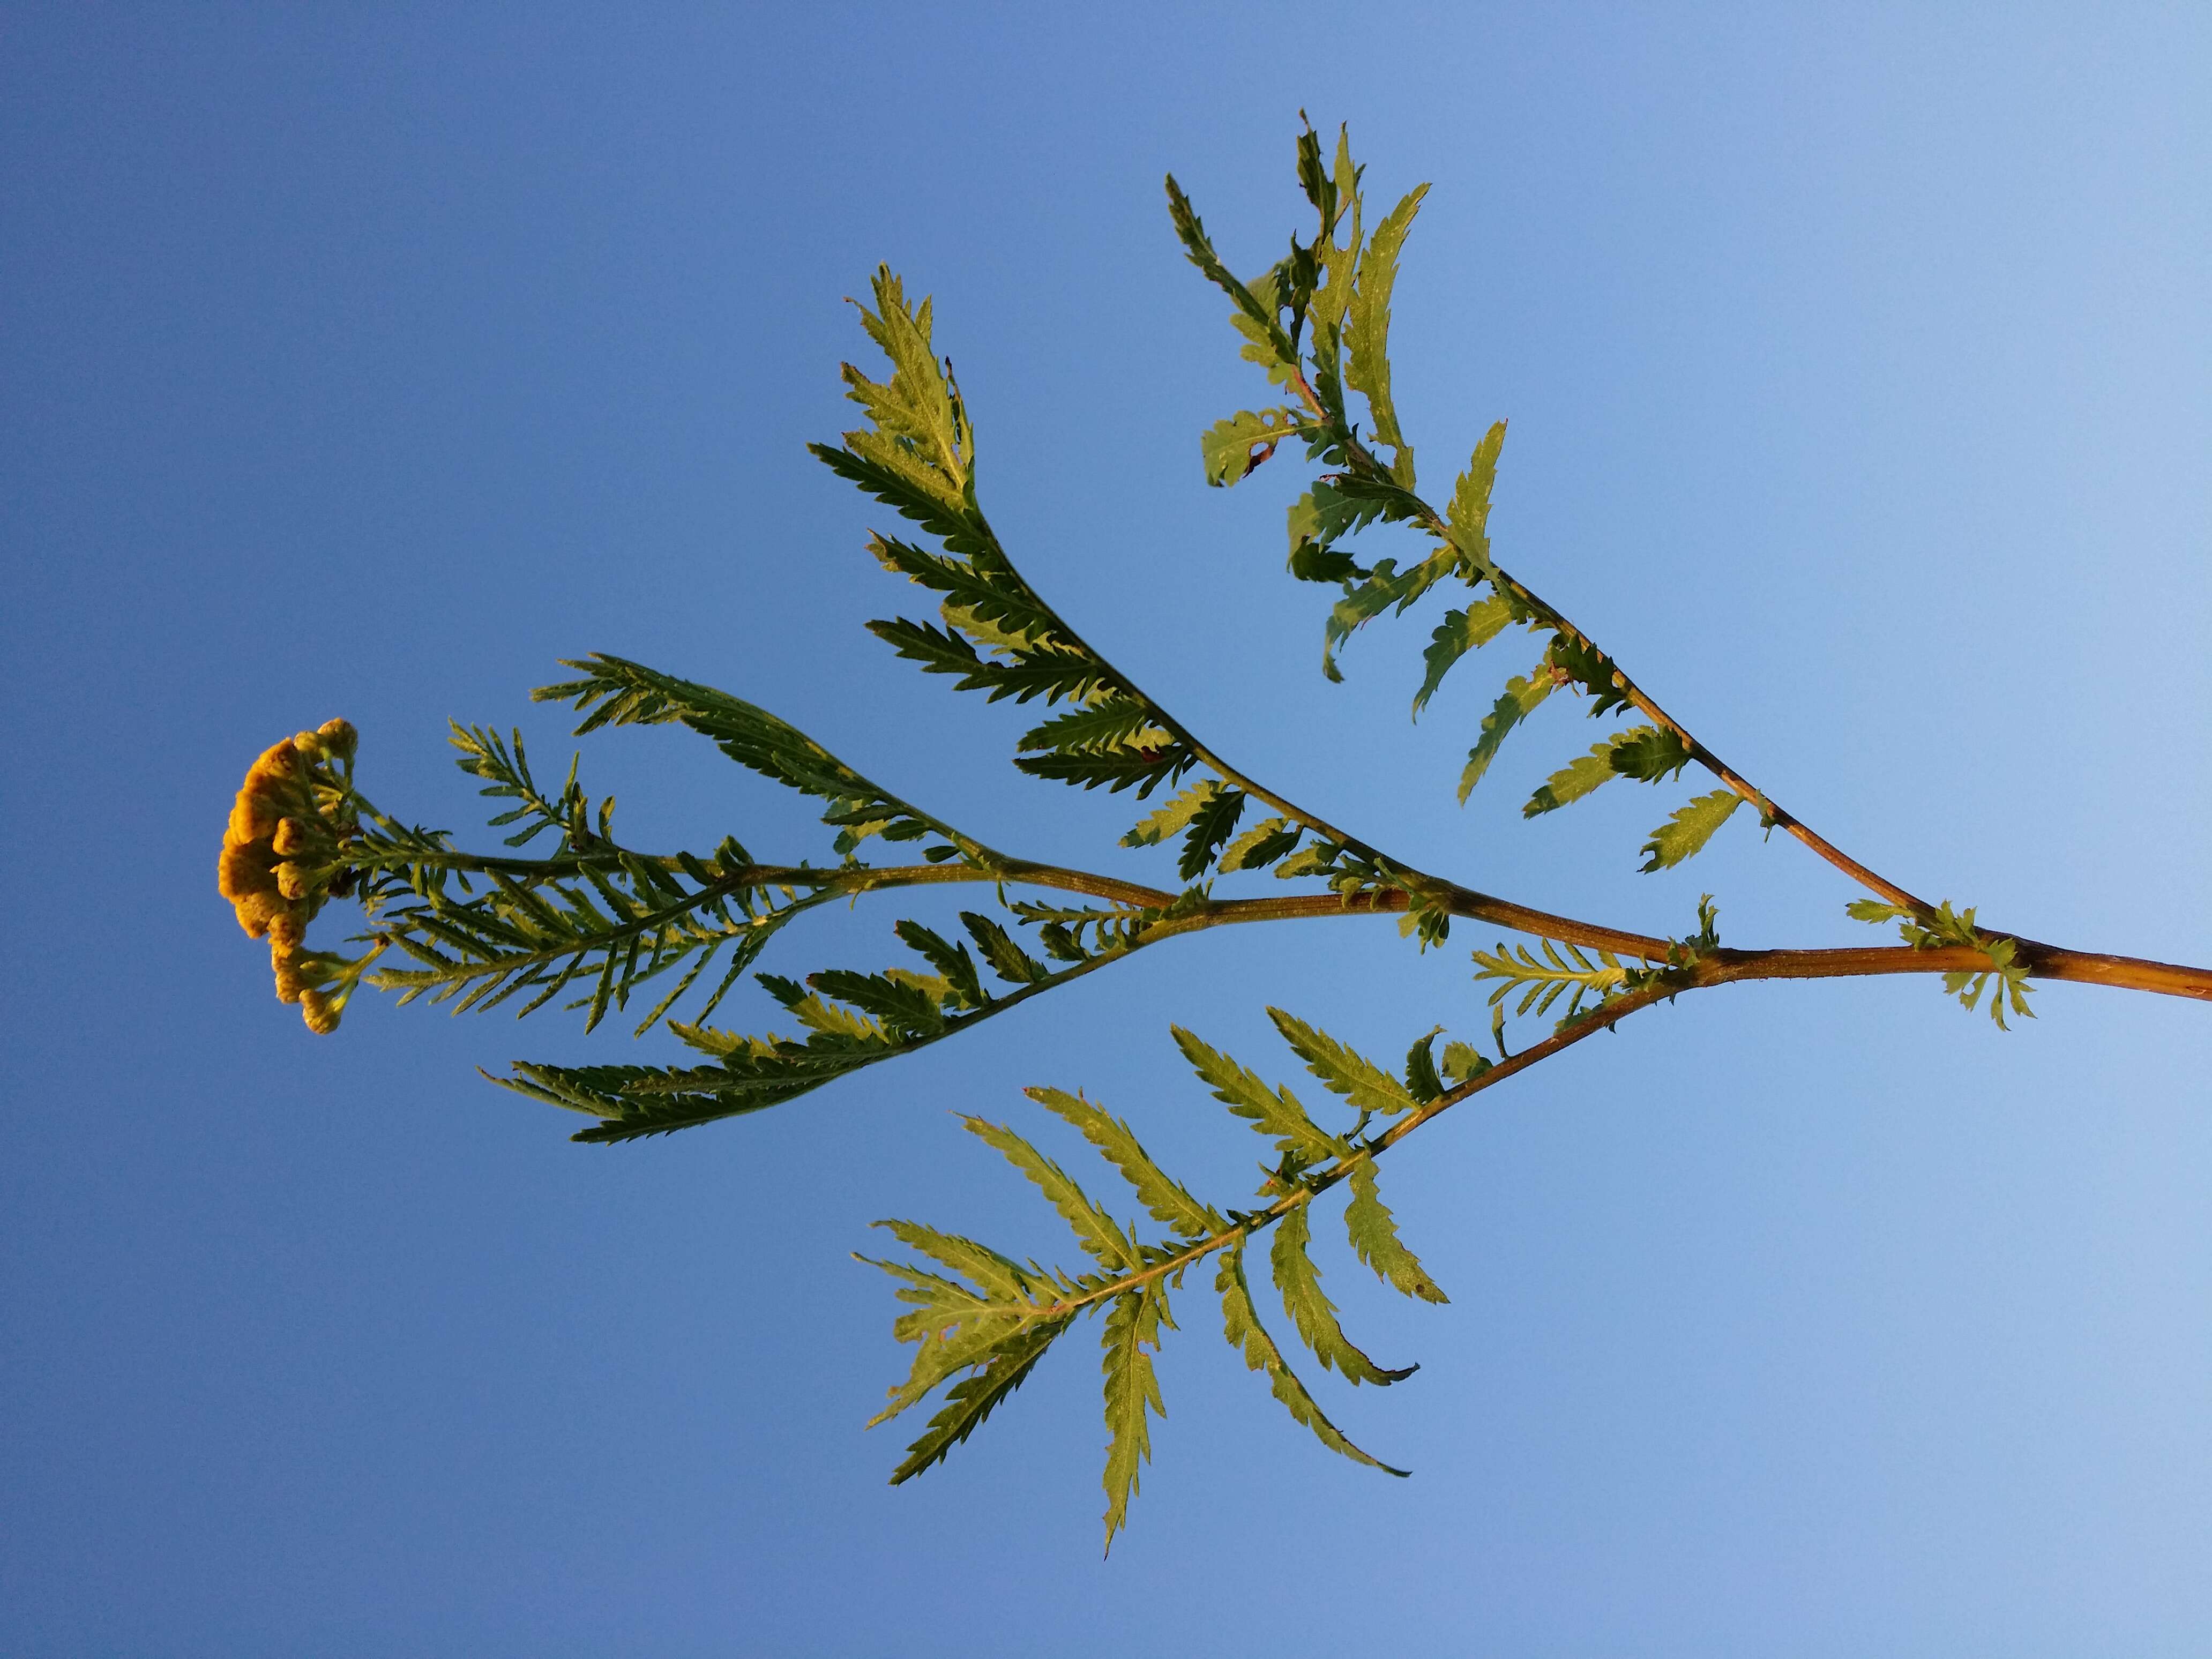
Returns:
(1241,1325)
(1684,834)
(1311,1310)
(1117,1143)
(1373,1234)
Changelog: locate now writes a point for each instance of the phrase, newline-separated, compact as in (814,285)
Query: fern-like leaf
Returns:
(1241,1325)
(1365,1086)
(1684,834)
(1133,1326)
(1367,327)
(1165,1198)
(1099,1233)
(1373,1234)
(1273,1112)
(1515,704)
(1311,1310)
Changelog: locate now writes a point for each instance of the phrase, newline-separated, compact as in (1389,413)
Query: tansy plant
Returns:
(597,925)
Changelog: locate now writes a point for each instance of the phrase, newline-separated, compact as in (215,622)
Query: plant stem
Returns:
(1311,1186)
(1552,616)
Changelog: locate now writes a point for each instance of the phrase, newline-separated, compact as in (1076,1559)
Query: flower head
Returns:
(283,852)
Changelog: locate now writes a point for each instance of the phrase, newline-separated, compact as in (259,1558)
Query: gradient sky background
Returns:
(1860,367)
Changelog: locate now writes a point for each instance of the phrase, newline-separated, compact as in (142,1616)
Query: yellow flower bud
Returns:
(320,1012)
(286,933)
(338,735)
(291,881)
(277,761)
(243,871)
(253,817)
(291,836)
(290,988)
(257,910)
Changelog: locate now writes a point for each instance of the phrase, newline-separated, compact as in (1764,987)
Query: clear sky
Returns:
(368,361)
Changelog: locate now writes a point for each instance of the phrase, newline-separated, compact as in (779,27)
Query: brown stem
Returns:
(1725,966)
(1722,967)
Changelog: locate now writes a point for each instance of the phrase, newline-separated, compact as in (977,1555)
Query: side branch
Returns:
(1313,1184)
(1552,616)
(2042,961)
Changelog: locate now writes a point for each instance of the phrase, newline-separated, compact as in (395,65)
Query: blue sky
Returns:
(1858,362)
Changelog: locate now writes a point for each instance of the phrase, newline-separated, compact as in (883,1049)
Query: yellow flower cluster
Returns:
(283,855)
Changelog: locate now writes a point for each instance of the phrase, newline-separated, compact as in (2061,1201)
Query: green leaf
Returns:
(1462,1061)
(1598,675)
(1517,702)
(1271,346)
(817,1015)
(1929,930)
(634,1102)
(1228,446)
(1364,1086)
(1542,984)
(1008,960)
(1117,1144)
(1157,826)
(1649,754)
(1313,563)
(1241,1325)
(1274,1111)
(950,960)
(1685,833)
(1001,1279)
(1133,1325)
(984,595)
(1214,823)
(1116,722)
(1386,586)
(1117,768)
(970,621)
(1339,259)
(1099,1233)
(617,692)
(937,650)
(1459,633)
(1468,516)
(1421,1079)
(1259,846)
(1573,781)
(1319,516)
(918,418)
(1051,672)
(1874,910)
(1374,1236)
(952,1330)
(1311,1310)
(972,1399)
(1367,329)
(905,1008)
